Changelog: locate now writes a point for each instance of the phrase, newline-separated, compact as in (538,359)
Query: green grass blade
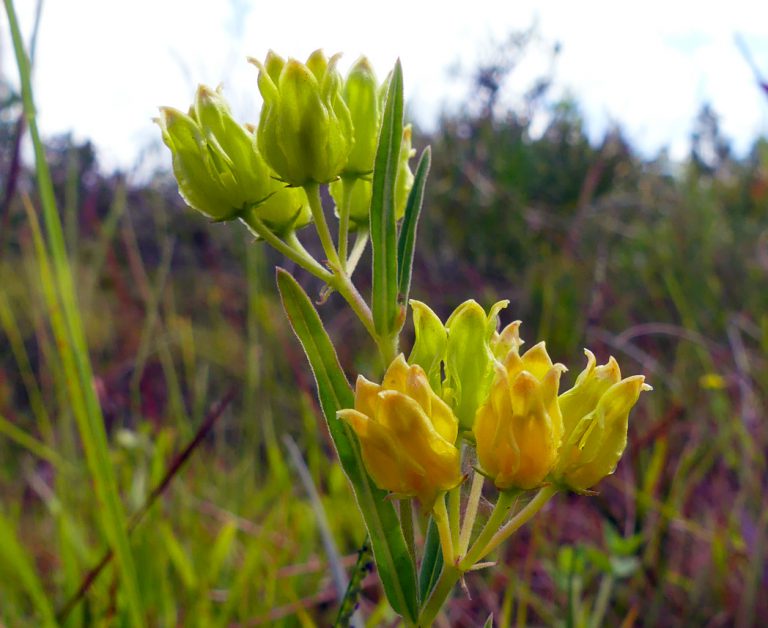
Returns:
(16,561)
(407,241)
(74,350)
(16,341)
(30,443)
(396,568)
(383,227)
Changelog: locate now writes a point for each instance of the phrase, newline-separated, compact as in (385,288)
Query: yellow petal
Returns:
(365,396)
(537,361)
(396,375)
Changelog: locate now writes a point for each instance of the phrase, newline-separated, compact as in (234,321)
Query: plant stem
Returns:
(316,205)
(443,587)
(444,530)
(293,250)
(478,479)
(499,514)
(454,514)
(361,239)
(347,185)
(343,285)
(522,517)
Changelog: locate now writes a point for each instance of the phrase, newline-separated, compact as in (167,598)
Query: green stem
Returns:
(443,587)
(521,518)
(444,530)
(499,514)
(361,239)
(347,185)
(293,251)
(316,205)
(344,286)
(454,514)
(478,479)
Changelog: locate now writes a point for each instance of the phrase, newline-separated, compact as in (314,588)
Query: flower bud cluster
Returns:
(314,128)
(219,170)
(467,375)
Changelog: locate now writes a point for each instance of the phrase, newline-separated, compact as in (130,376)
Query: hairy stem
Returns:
(316,205)
(471,513)
(521,518)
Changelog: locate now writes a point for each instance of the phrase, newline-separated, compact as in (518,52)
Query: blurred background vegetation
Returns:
(663,265)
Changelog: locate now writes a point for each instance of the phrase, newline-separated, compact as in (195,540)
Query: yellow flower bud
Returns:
(406,433)
(595,418)
(518,429)
(305,130)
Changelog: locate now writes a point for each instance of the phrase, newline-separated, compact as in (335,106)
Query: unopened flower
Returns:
(595,418)
(365,100)
(305,130)
(218,168)
(518,429)
(406,433)
(469,358)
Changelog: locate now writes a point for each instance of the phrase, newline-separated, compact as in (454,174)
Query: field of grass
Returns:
(151,389)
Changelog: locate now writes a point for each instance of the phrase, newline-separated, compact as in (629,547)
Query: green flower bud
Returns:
(469,359)
(219,169)
(466,346)
(305,130)
(361,188)
(429,345)
(360,192)
(365,100)
(404,181)
(362,98)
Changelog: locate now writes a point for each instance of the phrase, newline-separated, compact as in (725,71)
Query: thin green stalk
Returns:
(454,514)
(30,443)
(361,240)
(347,185)
(16,341)
(444,529)
(344,286)
(21,565)
(74,350)
(478,479)
(521,518)
(601,601)
(443,587)
(298,255)
(499,514)
(316,205)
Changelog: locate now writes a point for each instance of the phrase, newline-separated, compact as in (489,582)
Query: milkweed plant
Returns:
(467,407)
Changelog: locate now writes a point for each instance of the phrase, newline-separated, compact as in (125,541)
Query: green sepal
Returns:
(469,359)
(431,339)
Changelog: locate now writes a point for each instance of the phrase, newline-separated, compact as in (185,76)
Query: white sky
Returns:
(103,66)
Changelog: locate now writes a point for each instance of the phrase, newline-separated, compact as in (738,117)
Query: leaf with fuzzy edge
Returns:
(395,565)
(407,241)
(382,217)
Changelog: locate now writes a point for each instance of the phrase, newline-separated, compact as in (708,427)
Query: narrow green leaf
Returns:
(73,349)
(394,563)
(383,228)
(18,567)
(432,563)
(407,240)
